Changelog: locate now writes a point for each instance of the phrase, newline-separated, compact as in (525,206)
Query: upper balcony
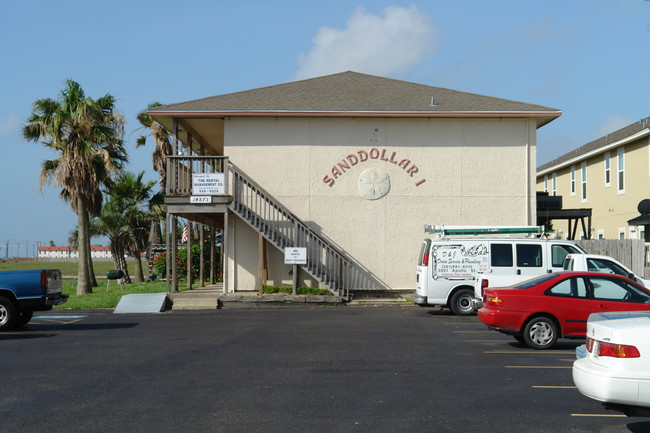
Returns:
(197,186)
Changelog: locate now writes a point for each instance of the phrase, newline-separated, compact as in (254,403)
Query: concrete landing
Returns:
(201,298)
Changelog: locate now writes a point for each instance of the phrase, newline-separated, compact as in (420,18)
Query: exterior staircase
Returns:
(325,262)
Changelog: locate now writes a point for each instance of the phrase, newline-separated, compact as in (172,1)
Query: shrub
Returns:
(299,290)
(160,262)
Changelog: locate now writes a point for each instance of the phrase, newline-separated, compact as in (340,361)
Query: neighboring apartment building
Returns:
(610,175)
(70,253)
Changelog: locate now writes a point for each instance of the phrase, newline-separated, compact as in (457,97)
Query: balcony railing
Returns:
(180,170)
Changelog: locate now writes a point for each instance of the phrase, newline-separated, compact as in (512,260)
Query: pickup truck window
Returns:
(501,255)
(605,266)
(529,255)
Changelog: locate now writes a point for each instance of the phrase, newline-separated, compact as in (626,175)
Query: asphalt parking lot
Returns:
(286,369)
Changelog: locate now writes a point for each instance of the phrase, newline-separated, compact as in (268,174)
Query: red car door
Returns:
(569,302)
(617,294)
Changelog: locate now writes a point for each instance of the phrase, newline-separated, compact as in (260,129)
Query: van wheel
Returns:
(540,333)
(461,302)
(8,314)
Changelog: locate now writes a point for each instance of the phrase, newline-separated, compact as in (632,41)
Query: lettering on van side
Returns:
(459,261)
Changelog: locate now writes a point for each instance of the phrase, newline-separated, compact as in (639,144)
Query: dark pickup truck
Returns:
(23,292)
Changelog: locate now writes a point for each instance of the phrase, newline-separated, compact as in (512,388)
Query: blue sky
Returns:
(588,58)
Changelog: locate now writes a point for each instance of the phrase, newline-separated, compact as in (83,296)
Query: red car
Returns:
(539,311)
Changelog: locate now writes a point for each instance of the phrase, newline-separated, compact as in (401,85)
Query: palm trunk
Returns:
(137,272)
(120,262)
(83,278)
(91,269)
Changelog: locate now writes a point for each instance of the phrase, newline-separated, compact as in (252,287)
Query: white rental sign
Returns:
(208,184)
(295,256)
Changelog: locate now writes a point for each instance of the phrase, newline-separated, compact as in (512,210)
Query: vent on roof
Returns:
(433,102)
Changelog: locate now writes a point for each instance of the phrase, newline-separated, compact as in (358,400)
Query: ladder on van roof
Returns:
(482,230)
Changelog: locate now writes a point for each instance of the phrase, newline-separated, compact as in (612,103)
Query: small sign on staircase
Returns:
(295,256)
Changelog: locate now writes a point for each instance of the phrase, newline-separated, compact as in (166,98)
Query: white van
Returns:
(450,262)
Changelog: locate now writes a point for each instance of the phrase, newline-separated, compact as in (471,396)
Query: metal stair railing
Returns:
(283,229)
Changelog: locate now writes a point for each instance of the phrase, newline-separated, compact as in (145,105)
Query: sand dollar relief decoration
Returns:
(374,184)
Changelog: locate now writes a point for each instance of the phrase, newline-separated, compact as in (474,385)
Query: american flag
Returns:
(184,236)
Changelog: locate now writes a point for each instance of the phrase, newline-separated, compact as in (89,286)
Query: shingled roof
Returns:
(617,138)
(353,92)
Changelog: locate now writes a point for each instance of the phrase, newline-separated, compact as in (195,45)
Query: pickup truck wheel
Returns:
(24,317)
(8,314)
(461,302)
(540,333)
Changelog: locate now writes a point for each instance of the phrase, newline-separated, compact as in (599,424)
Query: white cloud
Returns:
(611,124)
(371,44)
(9,125)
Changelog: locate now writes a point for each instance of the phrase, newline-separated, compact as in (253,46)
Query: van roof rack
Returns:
(482,230)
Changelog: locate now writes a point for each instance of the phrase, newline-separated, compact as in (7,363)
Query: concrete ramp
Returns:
(142,303)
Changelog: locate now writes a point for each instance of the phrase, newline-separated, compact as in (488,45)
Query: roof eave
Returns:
(543,117)
(601,149)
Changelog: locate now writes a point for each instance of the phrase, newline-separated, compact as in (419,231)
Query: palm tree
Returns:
(161,138)
(128,198)
(158,211)
(163,149)
(87,135)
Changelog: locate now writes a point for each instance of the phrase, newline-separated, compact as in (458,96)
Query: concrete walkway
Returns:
(212,297)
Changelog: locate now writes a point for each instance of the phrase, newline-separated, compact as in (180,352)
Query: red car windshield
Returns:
(535,281)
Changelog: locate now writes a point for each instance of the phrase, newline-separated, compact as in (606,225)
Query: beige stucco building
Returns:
(610,176)
(351,167)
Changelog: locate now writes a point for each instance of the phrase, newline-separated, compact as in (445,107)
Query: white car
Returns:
(615,368)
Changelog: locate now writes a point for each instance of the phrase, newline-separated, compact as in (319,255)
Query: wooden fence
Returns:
(630,252)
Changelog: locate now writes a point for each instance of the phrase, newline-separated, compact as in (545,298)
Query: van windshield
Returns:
(534,281)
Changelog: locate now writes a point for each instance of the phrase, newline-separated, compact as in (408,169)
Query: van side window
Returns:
(501,255)
(529,255)
(559,252)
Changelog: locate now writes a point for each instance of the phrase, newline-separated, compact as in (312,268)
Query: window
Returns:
(617,290)
(529,256)
(574,287)
(559,252)
(601,234)
(608,170)
(632,232)
(501,255)
(621,233)
(606,266)
(583,179)
(424,253)
(573,180)
(546,183)
(621,170)
(554,184)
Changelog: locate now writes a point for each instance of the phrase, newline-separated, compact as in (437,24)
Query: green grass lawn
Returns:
(101,297)
(68,269)
(105,296)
